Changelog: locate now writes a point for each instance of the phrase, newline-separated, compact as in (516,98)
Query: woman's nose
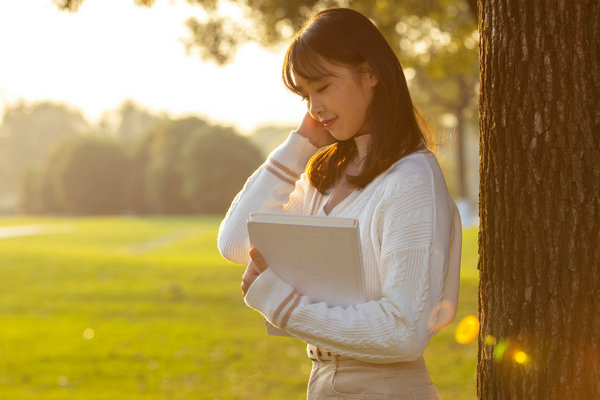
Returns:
(315,108)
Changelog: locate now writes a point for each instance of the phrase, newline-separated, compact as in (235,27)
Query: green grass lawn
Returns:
(145,308)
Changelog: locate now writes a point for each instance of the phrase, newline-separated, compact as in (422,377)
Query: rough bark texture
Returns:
(539,242)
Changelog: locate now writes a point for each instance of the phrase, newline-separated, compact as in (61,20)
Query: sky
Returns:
(112,50)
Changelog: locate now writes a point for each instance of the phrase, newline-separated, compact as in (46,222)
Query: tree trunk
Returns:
(465,94)
(539,243)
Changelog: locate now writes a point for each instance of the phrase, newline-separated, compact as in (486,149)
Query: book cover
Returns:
(319,256)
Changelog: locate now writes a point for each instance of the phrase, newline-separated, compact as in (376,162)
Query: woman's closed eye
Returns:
(322,88)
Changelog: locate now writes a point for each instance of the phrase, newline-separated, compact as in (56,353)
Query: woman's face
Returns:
(340,100)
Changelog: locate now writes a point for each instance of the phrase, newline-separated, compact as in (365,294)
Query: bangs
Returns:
(302,60)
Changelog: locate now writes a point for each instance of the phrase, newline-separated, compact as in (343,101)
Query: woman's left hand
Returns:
(253,270)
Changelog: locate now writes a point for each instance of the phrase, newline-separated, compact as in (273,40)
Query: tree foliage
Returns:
(176,167)
(129,121)
(28,132)
(160,157)
(271,22)
(268,137)
(190,166)
(435,40)
(91,176)
(215,165)
(82,175)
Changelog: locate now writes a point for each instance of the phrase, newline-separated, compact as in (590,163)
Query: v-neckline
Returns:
(344,188)
(341,205)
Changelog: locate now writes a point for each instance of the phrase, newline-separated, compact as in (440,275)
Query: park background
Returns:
(119,130)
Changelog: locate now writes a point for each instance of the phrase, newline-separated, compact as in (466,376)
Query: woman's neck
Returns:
(355,165)
(362,146)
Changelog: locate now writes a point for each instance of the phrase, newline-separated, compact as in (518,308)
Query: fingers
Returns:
(315,132)
(258,259)
(253,270)
(245,286)
(441,315)
(249,277)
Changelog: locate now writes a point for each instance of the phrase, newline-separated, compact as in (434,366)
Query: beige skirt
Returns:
(336,377)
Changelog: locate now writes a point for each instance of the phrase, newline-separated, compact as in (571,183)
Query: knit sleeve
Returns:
(395,327)
(274,187)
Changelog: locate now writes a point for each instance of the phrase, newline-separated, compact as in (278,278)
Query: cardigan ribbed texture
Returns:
(411,238)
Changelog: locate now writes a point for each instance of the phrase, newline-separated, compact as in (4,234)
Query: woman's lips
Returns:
(327,123)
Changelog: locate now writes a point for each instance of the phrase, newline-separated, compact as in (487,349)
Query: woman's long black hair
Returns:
(345,36)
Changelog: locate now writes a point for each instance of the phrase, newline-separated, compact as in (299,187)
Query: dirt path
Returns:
(7,232)
(162,241)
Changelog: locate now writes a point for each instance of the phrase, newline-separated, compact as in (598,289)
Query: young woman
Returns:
(358,153)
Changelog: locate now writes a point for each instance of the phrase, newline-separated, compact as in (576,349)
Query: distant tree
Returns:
(189,166)
(215,165)
(137,192)
(27,133)
(82,175)
(267,137)
(179,166)
(36,193)
(159,165)
(128,122)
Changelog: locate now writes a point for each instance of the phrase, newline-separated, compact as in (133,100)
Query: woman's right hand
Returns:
(314,131)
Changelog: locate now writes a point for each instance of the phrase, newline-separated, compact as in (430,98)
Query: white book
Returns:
(319,256)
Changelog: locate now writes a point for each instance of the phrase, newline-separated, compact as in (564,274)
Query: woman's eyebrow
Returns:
(315,80)
(321,77)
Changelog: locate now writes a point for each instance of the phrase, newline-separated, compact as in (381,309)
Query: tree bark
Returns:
(539,243)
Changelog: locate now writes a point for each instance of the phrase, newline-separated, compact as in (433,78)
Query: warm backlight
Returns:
(520,356)
(88,333)
(467,329)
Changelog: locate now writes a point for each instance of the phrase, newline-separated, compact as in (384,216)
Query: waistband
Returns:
(318,354)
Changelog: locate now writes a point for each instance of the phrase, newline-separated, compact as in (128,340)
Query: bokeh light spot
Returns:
(467,329)
(88,333)
(500,349)
(490,340)
(62,381)
(520,356)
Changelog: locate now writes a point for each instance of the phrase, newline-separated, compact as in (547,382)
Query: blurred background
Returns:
(152,88)
(127,128)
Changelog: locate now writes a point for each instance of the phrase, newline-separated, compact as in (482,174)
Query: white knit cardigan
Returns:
(411,237)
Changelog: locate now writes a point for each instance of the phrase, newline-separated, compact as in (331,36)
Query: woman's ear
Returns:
(370,75)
